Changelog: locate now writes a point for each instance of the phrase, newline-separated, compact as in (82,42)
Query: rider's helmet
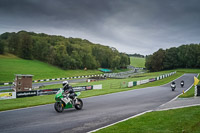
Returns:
(65,83)
(173,82)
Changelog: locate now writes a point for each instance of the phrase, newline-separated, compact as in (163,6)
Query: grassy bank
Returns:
(137,62)
(10,65)
(185,120)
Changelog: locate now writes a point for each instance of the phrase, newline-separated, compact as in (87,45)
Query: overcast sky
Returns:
(131,26)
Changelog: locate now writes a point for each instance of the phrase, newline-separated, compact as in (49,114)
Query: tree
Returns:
(13,43)
(124,60)
(181,53)
(148,62)
(2,46)
(171,58)
(157,60)
(60,53)
(25,49)
(67,53)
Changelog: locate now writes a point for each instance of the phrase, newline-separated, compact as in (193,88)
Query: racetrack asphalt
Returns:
(97,111)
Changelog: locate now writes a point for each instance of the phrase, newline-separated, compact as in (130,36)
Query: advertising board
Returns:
(26,94)
(7,95)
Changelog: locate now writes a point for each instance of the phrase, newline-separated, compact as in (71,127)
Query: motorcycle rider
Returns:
(173,83)
(182,83)
(68,89)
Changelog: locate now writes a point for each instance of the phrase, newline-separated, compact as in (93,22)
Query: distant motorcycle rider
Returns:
(182,83)
(173,85)
(68,89)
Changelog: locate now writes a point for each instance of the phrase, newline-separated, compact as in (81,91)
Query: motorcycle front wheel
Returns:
(79,104)
(59,107)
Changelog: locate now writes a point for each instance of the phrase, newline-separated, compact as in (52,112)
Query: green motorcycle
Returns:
(64,102)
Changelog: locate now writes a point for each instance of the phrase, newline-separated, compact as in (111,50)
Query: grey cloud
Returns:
(129,25)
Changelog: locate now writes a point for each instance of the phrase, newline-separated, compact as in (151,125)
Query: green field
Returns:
(137,62)
(185,120)
(10,65)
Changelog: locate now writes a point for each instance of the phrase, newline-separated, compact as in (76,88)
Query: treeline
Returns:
(136,55)
(67,53)
(185,56)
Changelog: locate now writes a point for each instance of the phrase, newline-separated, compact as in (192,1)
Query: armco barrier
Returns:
(41,80)
(9,95)
(140,82)
(130,84)
(9,83)
(134,83)
(152,79)
(47,91)
(144,81)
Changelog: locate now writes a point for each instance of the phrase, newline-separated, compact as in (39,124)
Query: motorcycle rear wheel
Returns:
(59,107)
(79,104)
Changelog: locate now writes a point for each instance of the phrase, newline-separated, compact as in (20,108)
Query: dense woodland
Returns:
(185,56)
(67,53)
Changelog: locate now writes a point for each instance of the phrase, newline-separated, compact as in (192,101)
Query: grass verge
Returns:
(185,120)
(189,93)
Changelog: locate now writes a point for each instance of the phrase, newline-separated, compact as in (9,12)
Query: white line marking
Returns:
(6,83)
(25,108)
(120,121)
(142,114)
(178,107)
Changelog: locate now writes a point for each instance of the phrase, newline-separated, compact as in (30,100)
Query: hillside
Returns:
(66,53)
(137,62)
(10,65)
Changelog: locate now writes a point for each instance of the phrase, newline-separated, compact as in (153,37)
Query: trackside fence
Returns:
(11,95)
(57,79)
(140,82)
